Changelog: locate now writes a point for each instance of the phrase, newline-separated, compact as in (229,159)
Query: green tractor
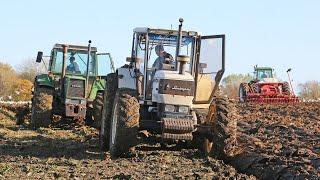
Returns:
(73,87)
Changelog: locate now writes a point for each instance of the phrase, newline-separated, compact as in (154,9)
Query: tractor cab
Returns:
(191,71)
(76,74)
(261,73)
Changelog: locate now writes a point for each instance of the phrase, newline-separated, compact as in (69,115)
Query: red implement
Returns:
(266,93)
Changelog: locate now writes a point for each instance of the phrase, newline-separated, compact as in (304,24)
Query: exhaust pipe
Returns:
(179,42)
(183,60)
(289,70)
(88,62)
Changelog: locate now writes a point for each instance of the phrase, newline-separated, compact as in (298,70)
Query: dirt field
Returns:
(279,141)
(65,152)
(275,142)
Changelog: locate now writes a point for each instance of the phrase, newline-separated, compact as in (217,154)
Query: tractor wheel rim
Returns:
(241,94)
(102,131)
(114,124)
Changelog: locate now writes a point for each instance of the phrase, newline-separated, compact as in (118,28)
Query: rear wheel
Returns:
(97,110)
(124,122)
(109,94)
(243,92)
(202,141)
(255,87)
(224,128)
(41,110)
(286,88)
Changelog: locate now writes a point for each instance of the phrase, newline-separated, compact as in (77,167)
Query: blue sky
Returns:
(274,33)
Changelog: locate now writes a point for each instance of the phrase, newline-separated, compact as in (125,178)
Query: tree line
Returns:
(16,83)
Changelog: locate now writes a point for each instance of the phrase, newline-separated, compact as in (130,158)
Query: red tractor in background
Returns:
(265,88)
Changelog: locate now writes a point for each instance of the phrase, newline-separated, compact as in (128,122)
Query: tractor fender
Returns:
(43,80)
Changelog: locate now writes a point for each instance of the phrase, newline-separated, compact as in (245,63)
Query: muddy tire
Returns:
(224,129)
(243,92)
(41,110)
(124,122)
(255,87)
(97,109)
(286,88)
(202,141)
(109,94)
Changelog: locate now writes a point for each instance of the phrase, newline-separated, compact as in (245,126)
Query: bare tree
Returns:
(310,90)
(29,68)
(230,84)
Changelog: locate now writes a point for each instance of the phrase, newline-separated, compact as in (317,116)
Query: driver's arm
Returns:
(156,64)
(169,58)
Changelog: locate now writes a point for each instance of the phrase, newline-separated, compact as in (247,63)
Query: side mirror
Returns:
(39,56)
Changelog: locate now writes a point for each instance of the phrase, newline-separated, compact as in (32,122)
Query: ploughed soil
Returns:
(274,142)
(69,151)
(279,141)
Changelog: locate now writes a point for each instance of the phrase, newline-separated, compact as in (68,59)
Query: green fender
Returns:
(98,85)
(44,80)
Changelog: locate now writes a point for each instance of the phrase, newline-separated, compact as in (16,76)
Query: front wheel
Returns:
(124,122)
(41,110)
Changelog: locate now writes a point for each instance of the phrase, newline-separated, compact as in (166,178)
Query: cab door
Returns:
(209,67)
(105,64)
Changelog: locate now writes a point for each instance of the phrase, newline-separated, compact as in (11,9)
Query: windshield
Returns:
(162,48)
(264,73)
(76,62)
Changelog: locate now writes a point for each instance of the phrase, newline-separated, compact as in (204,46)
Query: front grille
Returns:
(176,87)
(76,88)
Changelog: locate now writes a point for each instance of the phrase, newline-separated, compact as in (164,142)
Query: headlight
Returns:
(184,109)
(169,108)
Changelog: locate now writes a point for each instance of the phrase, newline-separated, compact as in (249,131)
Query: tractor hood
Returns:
(170,87)
(163,74)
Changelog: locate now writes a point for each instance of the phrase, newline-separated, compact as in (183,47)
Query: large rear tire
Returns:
(109,94)
(202,141)
(124,122)
(286,88)
(97,109)
(243,92)
(224,129)
(41,110)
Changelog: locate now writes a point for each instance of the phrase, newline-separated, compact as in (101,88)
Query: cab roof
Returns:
(74,47)
(164,31)
(263,68)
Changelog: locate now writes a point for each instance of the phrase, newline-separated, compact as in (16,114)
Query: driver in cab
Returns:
(163,57)
(73,66)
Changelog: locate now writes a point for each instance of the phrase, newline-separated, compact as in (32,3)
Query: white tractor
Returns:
(168,89)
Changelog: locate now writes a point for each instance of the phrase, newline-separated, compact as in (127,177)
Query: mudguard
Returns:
(44,80)
(98,85)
